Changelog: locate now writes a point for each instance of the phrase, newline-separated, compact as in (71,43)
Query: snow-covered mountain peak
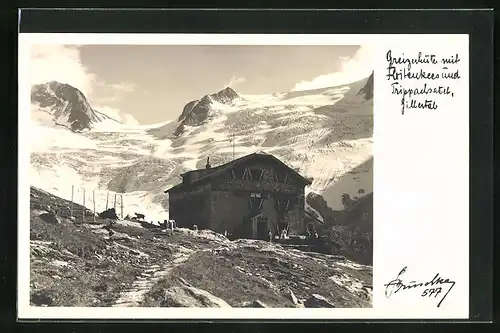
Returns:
(197,112)
(225,96)
(60,104)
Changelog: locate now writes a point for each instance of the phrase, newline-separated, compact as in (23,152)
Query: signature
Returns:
(433,287)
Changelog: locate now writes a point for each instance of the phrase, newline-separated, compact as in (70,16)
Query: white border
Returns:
(380,309)
(229,39)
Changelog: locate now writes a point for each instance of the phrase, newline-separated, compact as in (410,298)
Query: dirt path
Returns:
(134,294)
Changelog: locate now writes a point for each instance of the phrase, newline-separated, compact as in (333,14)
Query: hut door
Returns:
(262,227)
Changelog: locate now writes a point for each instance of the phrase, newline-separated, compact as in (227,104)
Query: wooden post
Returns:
(93,199)
(83,213)
(114,204)
(121,203)
(72,193)
(107,197)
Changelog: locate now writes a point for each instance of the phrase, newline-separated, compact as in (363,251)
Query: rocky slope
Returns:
(85,263)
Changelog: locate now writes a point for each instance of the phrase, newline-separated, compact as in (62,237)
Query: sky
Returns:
(147,84)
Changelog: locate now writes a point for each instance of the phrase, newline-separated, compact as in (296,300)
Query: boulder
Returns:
(119,236)
(109,214)
(148,225)
(49,218)
(40,299)
(293,298)
(184,282)
(318,301)
(191,297)
(258,304)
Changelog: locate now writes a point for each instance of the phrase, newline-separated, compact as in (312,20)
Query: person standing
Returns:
(308,234)
(270,236)
(283,234)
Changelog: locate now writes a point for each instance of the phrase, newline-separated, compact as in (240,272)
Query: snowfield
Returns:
(325,134)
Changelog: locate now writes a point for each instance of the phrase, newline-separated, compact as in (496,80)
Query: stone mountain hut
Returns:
(247,197)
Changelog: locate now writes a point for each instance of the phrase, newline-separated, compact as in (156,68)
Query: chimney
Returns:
(208,163)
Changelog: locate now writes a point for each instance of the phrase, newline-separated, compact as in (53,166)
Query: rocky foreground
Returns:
(86,263)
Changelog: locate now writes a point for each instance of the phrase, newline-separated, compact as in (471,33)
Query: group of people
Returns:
(283,235)
(169,224)
(312,234)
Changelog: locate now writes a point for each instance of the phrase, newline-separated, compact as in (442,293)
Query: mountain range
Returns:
(325,134)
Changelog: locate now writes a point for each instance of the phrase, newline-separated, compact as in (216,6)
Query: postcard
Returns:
(168,176)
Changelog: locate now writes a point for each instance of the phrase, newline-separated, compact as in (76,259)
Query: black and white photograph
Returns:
(201,176)
(256,165)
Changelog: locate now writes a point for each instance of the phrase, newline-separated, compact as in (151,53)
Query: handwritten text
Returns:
(432,287)
(413,78)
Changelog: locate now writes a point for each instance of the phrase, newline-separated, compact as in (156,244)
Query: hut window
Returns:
(255,205)
(246,174)
(239,173)
(280,176)
(282,205)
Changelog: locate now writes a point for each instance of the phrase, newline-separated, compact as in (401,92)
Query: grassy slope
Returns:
(97,268)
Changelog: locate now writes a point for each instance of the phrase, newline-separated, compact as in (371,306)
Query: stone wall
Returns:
(228,212)
(191,207)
